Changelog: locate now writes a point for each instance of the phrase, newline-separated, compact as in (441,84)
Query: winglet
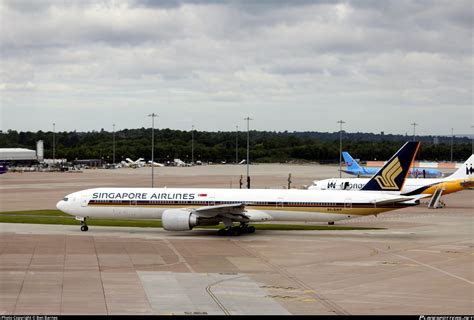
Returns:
(391,177)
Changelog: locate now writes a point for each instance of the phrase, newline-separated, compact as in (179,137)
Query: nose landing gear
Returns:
(84,226)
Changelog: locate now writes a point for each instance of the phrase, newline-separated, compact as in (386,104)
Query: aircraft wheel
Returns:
(84,228)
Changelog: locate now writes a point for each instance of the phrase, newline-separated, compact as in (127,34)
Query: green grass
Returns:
(58,217)
(37,213)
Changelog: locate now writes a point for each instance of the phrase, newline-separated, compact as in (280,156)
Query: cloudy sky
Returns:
(290,65)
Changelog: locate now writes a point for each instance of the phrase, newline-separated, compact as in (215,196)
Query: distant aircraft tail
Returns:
(391,177)
(351,164)
(466,170)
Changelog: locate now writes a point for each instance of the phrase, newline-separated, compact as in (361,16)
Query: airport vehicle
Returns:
(3,168)
(353,167)
(461,179)
(183,209)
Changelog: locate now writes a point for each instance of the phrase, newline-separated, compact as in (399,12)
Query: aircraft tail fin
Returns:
(350,162)
(391,177)
(465,171)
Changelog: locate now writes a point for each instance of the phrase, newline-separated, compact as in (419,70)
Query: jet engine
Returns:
(184,220)
(178,220)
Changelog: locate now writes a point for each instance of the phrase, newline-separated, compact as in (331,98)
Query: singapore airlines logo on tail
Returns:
(386,179)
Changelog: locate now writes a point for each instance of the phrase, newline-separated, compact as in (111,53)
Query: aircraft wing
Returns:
(233,210)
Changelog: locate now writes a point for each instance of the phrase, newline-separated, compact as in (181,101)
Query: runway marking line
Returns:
(434,268)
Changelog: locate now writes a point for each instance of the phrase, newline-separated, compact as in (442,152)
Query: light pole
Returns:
(236,144)
(192,145)
(113,148)
(414,124)
(340,147)
(472,141)
(452,141)
(248,148)
(54,143)
(153,116)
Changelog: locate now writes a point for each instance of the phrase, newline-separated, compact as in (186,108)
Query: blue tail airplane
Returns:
(352,167)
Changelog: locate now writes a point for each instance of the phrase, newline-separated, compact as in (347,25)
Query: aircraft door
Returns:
(279,203)
(348,203)
(84,200)
(211,201)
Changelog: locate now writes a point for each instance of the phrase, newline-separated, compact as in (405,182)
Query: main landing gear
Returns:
(236,230)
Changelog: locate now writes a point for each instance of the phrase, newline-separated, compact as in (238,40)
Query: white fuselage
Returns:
(357,184)
(260,204)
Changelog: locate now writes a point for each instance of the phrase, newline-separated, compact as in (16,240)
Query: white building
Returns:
(17,154)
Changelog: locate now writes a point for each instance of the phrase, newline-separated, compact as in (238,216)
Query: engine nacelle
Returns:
(178,220)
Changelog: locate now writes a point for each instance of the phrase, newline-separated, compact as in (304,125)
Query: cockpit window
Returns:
(65,199)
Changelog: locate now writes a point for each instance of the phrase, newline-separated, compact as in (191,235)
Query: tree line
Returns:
(265,146)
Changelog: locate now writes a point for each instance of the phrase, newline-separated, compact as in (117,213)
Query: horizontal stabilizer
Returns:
(392,201)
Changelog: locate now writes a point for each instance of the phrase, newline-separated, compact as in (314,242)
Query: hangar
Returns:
(17,154)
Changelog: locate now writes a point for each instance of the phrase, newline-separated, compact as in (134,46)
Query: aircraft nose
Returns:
(60,205)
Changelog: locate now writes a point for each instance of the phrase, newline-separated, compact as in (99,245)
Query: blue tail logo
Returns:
(350,162)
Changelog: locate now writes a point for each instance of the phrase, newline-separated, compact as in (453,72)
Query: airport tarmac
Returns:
(421,263)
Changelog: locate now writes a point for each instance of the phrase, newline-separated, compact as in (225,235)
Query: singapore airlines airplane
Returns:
(183,209)
(462,179)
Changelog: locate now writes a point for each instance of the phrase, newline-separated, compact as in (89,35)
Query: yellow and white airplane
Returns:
(461,179)
(182,209)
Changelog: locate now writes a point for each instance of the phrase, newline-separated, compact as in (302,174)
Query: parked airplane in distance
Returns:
(179,163)
(352,167)
(155,164)
(134,164)
(182,209)
(462,179)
